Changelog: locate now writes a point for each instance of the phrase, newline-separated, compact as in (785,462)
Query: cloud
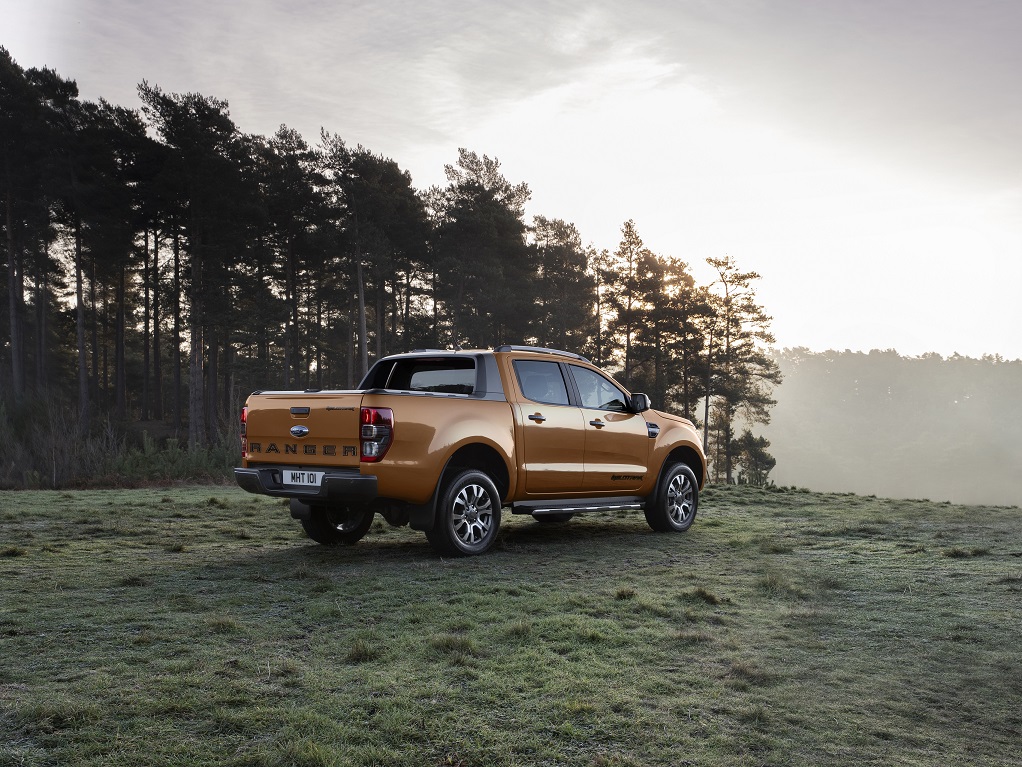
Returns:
(922,84)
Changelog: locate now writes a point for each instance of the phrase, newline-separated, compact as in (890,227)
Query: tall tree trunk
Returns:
(686,409)
(263,342)
(218,363)
(706,407)
(456,313)
(226,397)
(406,310)
(196,422)
(628,324)
(728,370)
(351,343)
(363,344)
(319,342)
(395,310)
(381,317)
(157,410)
(144,411)
(41,304)
(94,327)
(106,346)
(658,374)
(212,373)
(83,371)
(291,335)
(728,458)
(196,408)
(177,332)
(311,335)
(326,352)
(17,355)
(436,313)
(120,375)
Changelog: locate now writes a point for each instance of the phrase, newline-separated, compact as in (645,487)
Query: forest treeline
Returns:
(944,429)
(161,263)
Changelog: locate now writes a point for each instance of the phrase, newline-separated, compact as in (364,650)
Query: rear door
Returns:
(553,444)
(617,442)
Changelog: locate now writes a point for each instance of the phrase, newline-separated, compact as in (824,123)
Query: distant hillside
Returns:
(910,427)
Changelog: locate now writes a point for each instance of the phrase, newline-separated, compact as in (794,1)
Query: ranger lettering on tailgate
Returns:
(292,449)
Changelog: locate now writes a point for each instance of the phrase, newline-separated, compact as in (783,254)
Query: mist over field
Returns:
(900,427)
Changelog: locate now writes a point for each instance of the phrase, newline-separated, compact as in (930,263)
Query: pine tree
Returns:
(631,279)
(564,287)
(670,340)
(740,370)
(485,273)
(753,461)
(209,170)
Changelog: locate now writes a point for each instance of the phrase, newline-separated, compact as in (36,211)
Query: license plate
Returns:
(302,478)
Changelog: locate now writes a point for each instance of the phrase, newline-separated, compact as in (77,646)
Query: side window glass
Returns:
(597,392)
(541,381)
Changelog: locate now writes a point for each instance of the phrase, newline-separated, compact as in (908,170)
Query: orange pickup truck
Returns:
(443,440)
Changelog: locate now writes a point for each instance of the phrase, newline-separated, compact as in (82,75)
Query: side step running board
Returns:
(578,506)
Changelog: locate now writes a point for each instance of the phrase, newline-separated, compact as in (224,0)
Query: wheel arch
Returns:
(688,455)
(474,455)
(478,455)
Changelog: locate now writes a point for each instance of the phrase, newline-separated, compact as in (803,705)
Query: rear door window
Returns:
(541,382)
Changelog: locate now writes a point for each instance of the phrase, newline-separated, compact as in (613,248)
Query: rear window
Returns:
(454,375)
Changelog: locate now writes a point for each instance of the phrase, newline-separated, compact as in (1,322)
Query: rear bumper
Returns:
(339,486)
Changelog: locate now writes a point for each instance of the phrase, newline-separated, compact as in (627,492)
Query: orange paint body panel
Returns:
(427,432)
(544,426)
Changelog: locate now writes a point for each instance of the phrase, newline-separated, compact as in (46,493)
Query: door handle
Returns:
(537,418)
(597,423)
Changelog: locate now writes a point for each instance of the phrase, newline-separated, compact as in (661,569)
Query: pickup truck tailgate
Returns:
(310,430)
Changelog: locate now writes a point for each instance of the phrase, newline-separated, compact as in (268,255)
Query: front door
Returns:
(617,442)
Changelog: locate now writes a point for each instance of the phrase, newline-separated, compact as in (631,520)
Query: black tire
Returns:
(553,519)
(337,525)
(467,516)
(673,508)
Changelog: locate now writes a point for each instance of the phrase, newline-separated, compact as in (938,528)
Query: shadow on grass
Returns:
(593,547)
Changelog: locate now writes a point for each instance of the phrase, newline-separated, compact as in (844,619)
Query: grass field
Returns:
(197,626)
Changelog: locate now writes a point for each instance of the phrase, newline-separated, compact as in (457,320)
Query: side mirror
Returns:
(640,403)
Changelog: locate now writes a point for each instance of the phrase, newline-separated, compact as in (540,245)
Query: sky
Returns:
(863,157)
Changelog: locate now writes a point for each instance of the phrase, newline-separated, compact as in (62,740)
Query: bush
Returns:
(42,445)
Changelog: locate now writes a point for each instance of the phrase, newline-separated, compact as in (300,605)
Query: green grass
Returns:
(197,626)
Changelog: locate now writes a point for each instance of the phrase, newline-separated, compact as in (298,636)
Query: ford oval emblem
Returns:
(299,431)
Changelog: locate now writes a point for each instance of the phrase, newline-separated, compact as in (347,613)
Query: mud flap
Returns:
(300,510)
(422,517)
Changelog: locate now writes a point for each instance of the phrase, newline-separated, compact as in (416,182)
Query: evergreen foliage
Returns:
(740,372)
(161,263)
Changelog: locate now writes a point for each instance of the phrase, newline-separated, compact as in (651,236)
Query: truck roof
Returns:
(501,348)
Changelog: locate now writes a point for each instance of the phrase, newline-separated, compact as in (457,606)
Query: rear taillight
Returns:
(377,432)
(244,432)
